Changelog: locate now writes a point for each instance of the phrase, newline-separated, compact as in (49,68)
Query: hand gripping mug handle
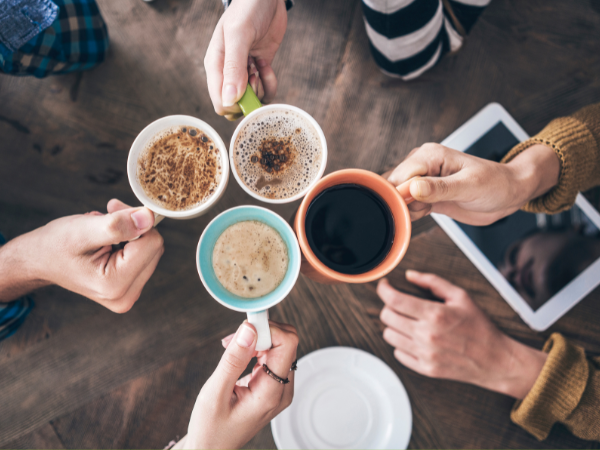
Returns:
(249,101)
(260,320)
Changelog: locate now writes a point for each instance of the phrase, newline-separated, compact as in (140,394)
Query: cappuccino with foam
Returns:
(180,168)
(250,259)
(278,154)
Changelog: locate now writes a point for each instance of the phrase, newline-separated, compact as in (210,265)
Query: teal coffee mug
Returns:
(256,308)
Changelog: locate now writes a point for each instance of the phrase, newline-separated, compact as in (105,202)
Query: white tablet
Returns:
(541,264)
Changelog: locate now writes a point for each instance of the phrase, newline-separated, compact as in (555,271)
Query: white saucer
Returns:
(344,398)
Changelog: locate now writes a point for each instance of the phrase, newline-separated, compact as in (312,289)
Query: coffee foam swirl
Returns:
(299,148)
(179,168)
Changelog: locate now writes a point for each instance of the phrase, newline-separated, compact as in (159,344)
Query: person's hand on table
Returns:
(230,410)
(454,339)
(469,189)
(241,51)
(76,252)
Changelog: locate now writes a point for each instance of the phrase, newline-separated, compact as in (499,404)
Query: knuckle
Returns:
(272,402)
(437,317)
(113,226)
(432,369)
(121,307)
(231,67)
(384,315)
(293,340)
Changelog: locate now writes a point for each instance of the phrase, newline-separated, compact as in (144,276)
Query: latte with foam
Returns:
(180,168)
(250,259)
(278,154)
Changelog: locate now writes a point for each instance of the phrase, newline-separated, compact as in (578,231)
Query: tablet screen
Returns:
(538,254)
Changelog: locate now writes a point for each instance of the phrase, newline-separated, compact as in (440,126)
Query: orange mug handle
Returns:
(404,190)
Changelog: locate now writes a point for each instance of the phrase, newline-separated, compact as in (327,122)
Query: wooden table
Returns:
(77,375)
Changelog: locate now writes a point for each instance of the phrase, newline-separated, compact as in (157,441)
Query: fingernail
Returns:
(411,273)
(245,336)
(229,95)
(142,219)
(423,189)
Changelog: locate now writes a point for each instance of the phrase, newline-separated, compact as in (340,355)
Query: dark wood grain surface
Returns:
(78,376)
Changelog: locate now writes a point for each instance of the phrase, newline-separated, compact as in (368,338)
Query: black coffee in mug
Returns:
(349,228)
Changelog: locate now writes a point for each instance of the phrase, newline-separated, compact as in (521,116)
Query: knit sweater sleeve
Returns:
(576,141)
(567,391)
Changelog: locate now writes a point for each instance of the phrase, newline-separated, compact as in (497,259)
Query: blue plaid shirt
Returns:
(43,37)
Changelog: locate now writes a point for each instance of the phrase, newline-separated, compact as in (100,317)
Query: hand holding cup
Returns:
(77,253)
(229,411)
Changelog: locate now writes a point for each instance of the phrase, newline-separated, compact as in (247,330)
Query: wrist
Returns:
(19,274)
(533,172)
(520,369)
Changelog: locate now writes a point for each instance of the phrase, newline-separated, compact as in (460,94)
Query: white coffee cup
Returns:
(138,147)
(281,107)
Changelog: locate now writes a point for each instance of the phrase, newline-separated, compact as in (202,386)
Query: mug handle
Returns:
(249,101)
(260,320)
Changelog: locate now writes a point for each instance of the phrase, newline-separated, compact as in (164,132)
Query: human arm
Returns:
(230,410)
(455,340)
(76,252)
(244,42)
(542,174)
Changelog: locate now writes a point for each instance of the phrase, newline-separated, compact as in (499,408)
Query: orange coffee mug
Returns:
(312,266)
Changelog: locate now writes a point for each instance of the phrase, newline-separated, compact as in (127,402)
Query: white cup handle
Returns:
(260,320)
(157,219)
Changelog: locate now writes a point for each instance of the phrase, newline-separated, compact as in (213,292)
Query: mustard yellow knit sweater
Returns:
(568,388)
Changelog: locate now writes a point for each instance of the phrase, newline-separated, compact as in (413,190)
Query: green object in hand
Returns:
(249,101)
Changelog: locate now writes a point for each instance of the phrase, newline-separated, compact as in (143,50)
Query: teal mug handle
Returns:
(249,101)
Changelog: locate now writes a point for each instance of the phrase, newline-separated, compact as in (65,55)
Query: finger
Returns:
(268,79)
(408,305)
(288,393)
(438,286)
(116,227)
(411,167)
(213,65)
(419,214)
(233,117)
(284,326)
(279,359)
(234,361)
(115,205)
(226,340)
(439,189)
(129,269)
(125,303)
(400,341)
(243,382)
(404,190)
(235,63)
(408,360)
(398,322)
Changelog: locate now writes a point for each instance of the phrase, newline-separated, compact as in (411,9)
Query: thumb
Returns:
(235,65)
(234,361)
(119,226)
(434,189)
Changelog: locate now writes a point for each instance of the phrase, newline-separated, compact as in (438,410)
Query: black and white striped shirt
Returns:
(408,37)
